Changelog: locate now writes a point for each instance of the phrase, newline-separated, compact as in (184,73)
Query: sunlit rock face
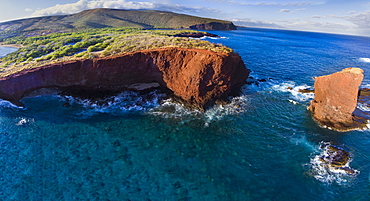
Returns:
(197,77)
(336,98)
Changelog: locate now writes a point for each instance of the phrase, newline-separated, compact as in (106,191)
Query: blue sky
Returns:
(332,16)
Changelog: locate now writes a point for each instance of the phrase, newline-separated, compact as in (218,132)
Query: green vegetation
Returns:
(41,50)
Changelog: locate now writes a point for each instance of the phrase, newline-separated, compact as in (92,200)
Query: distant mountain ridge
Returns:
(104,17)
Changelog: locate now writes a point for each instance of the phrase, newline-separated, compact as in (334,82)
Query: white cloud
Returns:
(317,17)
(285,11)
(262,4)
(355,24)
(85,4)
(362,20)
(117,4)
(28,10)
(300,9)
(322,26)
(282,4)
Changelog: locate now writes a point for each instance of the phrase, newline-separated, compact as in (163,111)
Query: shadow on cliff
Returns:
(196,77)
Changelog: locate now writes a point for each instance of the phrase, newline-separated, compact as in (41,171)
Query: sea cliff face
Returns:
(197,77)
(214,26)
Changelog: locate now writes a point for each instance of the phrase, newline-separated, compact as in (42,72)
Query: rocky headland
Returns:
(197,77)
(335,101)
(214,26)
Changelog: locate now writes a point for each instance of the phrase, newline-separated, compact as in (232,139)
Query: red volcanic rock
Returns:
(336,99)
(196,76)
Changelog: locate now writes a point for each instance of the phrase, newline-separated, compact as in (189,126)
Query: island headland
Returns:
(198,77)
(82,52)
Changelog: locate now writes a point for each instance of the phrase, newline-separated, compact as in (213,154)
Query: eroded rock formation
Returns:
(336,99)
(196,76)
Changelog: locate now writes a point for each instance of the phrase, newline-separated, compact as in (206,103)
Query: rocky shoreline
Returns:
(197,77)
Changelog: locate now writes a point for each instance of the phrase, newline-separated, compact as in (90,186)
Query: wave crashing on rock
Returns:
(332,165)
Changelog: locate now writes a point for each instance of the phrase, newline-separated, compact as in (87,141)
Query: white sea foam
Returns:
(172,110)
(208,37)
(363,107)
(22,121)
(7,104)
(293,89)
(122,103)
(366,60)
(294,102)
(154,104)
(323,172)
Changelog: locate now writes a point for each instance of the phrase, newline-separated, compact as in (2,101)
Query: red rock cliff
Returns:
(196,76)
(336,99)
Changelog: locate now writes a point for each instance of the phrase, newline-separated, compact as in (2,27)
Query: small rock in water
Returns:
(306,91)
(332,165)
(365,92)
(336,157)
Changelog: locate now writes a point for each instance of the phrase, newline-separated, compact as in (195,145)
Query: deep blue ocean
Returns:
(263,145)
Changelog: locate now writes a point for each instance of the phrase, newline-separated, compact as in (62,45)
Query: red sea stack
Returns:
(196,76)
(336,99)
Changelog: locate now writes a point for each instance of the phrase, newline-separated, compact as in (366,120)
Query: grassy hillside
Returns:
(56,47)
(103,18)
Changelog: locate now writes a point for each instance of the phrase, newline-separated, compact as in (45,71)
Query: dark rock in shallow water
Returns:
(255,81)
(334,160)
(336,157)
(336,98)
(365,92)
(306,91)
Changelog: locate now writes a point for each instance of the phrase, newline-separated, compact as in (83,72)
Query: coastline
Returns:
(11,45)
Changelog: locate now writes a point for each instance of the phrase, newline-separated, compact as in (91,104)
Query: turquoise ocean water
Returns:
(262,146)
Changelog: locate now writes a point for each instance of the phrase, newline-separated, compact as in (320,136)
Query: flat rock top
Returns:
(353,70)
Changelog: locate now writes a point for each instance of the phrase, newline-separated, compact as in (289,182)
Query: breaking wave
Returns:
(7,104)
(294,90)
(366,60)
(173,110)
(322,171)
(208,37)
(122,103)
(153,103)
(23,121)
(363,107)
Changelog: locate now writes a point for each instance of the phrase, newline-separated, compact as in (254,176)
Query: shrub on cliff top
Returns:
(44,49)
